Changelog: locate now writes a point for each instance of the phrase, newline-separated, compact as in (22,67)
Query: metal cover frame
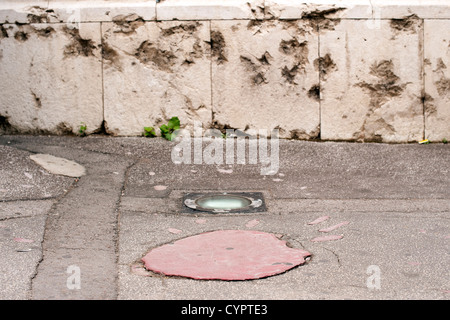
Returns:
(257,198)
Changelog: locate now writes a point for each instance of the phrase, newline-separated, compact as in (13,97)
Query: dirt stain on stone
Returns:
(299,51)
(254,26)
(386,87)
(128,24)
(322,18)
(428,104)
(25,31)
(64,129)
(78,45)
(21,36)
(301,134)
(215,124)
(218,47)
(324,65)
(317,13)
(3,32)
(265,58)
(257,69)
(443,84)
(196,53)
(109,54)
(296,26)
(292,47)
(314,92)
(407,24)
(44,32)
(189,28)
(41,15)
(147,53)
(289,73)
(37,100)
(373,130)
(383,90)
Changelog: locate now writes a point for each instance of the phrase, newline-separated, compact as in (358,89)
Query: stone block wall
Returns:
(324,70)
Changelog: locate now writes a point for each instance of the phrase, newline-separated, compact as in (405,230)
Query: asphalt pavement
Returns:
(384,234)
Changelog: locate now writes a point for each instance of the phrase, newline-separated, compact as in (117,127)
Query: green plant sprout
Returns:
(82,130)
(167,130)
(149,132)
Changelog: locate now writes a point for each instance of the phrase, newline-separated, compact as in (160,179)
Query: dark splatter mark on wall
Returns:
(257,69)
(325,65)
(128,24)
(252,24)
(3,32)
(387,85)
(64,129)
(163,59)
(406,24)
(109,54)
(218,47)
(292,46)
(41,15)
(428,104)
(321,14)
(37,101)
(78,45)
(25,31)
(196,53)
(301,134)
(383,90)
(322,19)
(189,28)
(289,74)
(21,36)
(314,92)
(265,58)
(44,32)
(299,50)
(443,84)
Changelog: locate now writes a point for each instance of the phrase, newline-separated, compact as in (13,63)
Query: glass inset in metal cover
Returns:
(225,202)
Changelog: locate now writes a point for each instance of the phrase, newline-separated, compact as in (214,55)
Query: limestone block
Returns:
(154,71)
(209,9)
(264,78)
(371,81)
(336,9)
(24,11)
(397,9)
(74,11)
(437,79)
(357,9)
(50,78)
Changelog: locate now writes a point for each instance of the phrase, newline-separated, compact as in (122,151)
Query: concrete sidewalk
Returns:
(83,238)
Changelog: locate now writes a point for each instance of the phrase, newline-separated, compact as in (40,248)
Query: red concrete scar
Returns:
(225,255)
